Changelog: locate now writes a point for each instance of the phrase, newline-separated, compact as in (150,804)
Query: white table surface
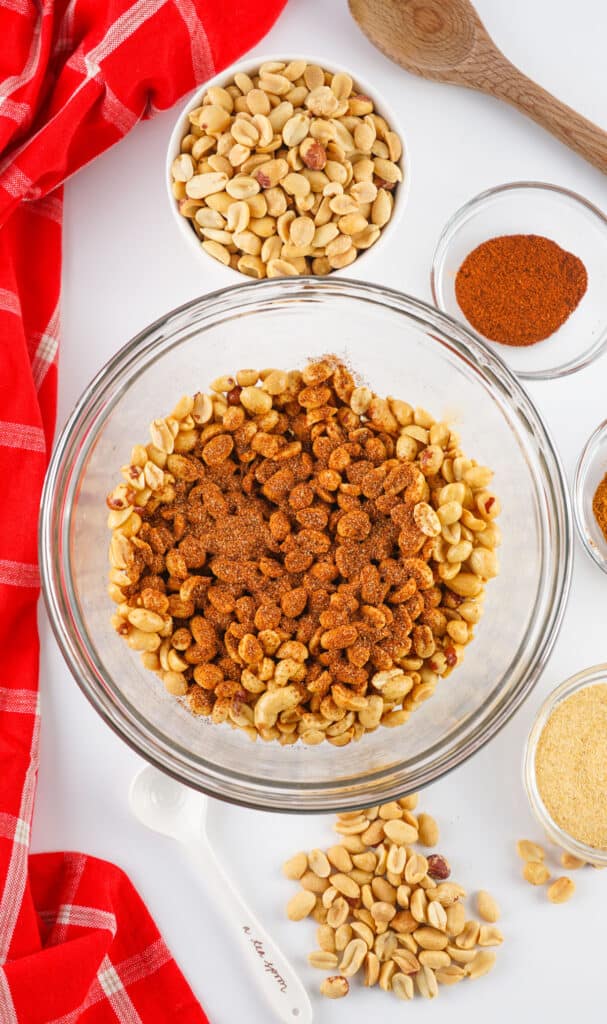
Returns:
(124,266)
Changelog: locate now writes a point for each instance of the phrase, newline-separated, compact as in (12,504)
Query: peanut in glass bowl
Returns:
(399,346)
(590,854)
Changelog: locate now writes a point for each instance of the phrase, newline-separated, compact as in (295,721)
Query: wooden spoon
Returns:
(445,40)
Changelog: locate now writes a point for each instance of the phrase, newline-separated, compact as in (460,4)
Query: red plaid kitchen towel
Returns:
(76,942)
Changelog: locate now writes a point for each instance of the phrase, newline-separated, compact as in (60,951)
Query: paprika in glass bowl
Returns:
(398,346)
(589,490)
(570,307)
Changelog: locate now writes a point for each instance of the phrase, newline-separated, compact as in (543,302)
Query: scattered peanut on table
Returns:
(561,890)
(388,912)
(287,171)
(300,558)
(570,862)
(487,907)
(537,872)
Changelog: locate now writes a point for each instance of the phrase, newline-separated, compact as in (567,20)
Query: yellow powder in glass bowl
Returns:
(571,765)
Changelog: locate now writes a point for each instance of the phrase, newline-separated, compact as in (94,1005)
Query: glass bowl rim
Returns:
(579,681)
(79,434)
(461,215)
(578,494)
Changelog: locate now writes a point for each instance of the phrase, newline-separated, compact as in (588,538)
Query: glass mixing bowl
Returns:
(591,469)
(400,346)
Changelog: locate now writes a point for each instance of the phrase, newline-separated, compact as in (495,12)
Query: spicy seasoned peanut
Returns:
(287,172)
(276,562)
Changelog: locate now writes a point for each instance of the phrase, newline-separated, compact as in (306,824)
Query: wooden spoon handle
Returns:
(575,131)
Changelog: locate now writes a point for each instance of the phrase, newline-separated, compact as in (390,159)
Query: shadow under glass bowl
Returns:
(400,346)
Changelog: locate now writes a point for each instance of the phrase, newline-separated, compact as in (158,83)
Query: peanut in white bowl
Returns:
(250,66)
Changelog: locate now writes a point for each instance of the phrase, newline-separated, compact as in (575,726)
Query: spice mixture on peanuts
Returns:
(599,505)
(299,557)
(289,170)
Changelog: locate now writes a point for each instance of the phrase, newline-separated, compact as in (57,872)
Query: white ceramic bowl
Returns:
(250,66)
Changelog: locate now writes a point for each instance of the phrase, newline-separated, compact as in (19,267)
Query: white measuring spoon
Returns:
(164,805)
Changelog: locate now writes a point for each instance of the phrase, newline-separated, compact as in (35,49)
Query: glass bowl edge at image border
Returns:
(69,460)
(461,215)
(574,684)
(579,483)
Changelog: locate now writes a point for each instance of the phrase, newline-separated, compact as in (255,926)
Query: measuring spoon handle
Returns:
(271,970)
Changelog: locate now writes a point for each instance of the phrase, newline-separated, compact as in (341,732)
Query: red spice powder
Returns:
(519,289)
(599,505)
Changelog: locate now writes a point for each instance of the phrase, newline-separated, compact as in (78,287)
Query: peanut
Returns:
(335,987)
(488,909)
(300,905)
(561,890)
(535,872)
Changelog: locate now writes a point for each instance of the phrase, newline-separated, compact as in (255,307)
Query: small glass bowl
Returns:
(591,469)
(589,854)
(533,207)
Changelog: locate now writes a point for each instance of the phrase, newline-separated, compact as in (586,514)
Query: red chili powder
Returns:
(519,289)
